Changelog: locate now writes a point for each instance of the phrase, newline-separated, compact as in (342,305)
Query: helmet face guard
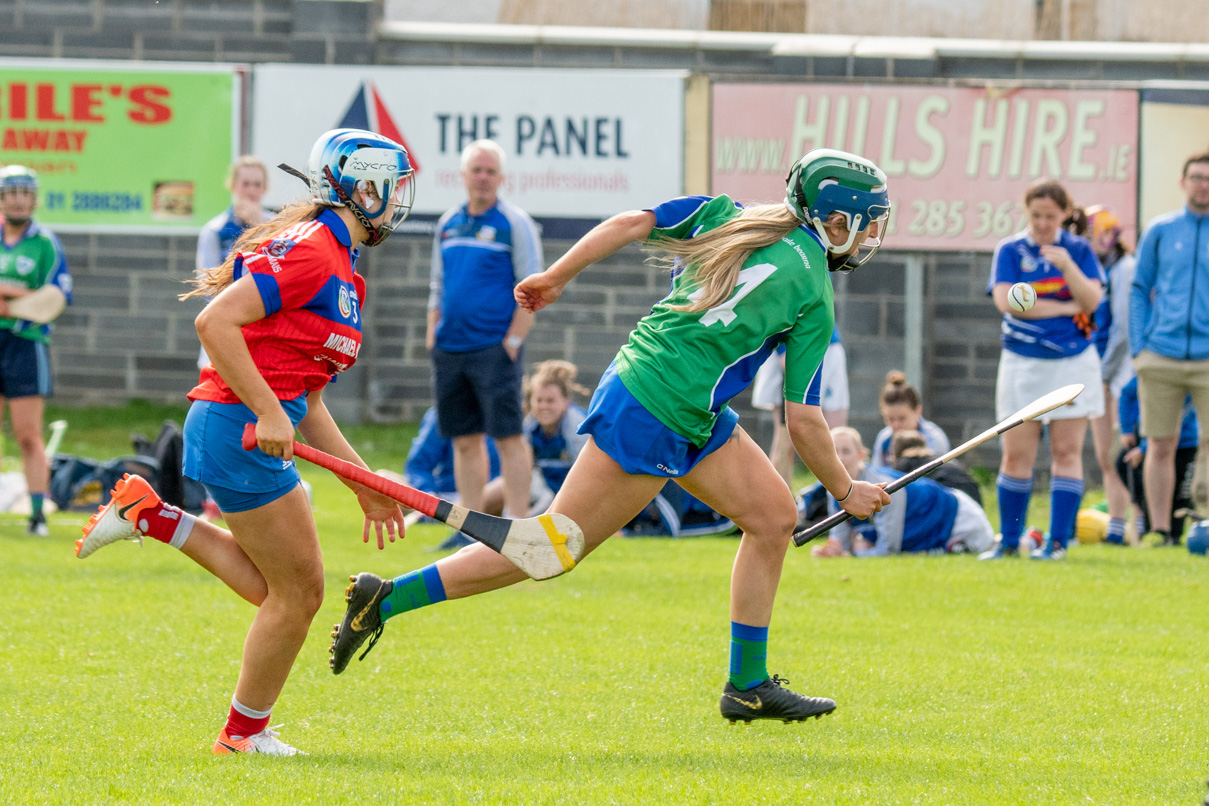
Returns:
(826,182)
(18,177)
(346,161)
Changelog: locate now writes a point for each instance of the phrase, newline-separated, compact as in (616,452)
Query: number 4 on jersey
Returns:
(749,278)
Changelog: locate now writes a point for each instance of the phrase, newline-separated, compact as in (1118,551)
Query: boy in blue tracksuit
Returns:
(1169,336)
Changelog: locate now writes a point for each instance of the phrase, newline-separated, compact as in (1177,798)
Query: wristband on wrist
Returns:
(845,498)
(514,342)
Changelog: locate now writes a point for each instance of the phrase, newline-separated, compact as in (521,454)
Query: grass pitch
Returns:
(958,682)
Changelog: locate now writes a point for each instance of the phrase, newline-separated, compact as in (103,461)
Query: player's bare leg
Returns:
(1158,476)
(136,511)
(26,413)
(738,481)
(281,541)
(516,469)
(470,469)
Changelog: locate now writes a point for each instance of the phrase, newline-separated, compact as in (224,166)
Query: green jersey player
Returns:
(30,258)
(744,281)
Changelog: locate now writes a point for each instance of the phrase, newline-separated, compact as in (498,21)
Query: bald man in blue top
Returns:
(476,329)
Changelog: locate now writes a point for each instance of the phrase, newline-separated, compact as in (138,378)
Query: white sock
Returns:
(250,712)
(184,528)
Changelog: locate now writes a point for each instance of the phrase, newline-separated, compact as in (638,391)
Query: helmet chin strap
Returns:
(375,235)
(854,229)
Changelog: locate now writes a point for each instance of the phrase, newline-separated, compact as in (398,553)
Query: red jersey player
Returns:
(284,319)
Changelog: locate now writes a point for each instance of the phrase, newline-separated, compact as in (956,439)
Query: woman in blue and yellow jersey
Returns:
(1048,346)
(744,281)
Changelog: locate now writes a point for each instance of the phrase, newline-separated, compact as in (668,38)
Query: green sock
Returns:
(411,591)
(748,655)
(35,504)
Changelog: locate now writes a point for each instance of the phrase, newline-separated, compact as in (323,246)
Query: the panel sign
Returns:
(579,144)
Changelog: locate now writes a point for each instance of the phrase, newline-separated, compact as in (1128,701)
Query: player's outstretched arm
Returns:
(539,290)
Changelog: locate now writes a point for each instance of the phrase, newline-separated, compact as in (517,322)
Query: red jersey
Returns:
(312,298)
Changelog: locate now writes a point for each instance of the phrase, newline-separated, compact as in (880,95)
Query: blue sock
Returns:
(1065,495)
(748,655)
(35,504)
(413,590)
(1014,496)
(1116,530)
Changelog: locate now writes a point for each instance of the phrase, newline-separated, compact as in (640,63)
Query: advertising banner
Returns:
(121,146)
(579,144)
(1175,120)
(959,159)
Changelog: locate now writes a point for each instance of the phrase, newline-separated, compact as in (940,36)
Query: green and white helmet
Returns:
(827,181)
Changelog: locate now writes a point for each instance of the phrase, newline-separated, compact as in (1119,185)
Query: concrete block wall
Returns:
(316,31)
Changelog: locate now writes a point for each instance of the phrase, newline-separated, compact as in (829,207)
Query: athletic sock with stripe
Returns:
(1065,495)
(243,721)
(166,523)
(1014,496)
(411,591)
(748,655)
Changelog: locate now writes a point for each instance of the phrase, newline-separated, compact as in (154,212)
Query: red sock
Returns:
(159,521)
(243,725)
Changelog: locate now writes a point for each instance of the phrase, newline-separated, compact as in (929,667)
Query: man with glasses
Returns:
(1169,340)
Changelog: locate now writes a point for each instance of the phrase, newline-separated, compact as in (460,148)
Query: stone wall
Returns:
(127,336)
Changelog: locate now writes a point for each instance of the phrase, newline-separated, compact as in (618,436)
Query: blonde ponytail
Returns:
(210,281)
(713,259)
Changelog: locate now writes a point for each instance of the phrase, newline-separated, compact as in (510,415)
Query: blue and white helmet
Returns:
(13,177)
(345,160)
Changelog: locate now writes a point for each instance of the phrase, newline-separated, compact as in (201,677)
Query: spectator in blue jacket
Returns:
(1133,451)
(1169,337)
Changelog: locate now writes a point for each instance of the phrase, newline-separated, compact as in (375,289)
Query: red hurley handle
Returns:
(409,496)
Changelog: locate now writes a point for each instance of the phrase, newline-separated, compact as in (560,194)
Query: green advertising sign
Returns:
(118,147)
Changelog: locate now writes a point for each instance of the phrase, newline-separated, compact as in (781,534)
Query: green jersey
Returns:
(32,262)
(684,367)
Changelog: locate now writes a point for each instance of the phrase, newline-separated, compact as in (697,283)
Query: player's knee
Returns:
(774,522)
(307,594)
(30,444)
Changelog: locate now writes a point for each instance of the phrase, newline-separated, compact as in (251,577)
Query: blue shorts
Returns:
(238,480)
(478,392)
(24,367)
(635,439)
